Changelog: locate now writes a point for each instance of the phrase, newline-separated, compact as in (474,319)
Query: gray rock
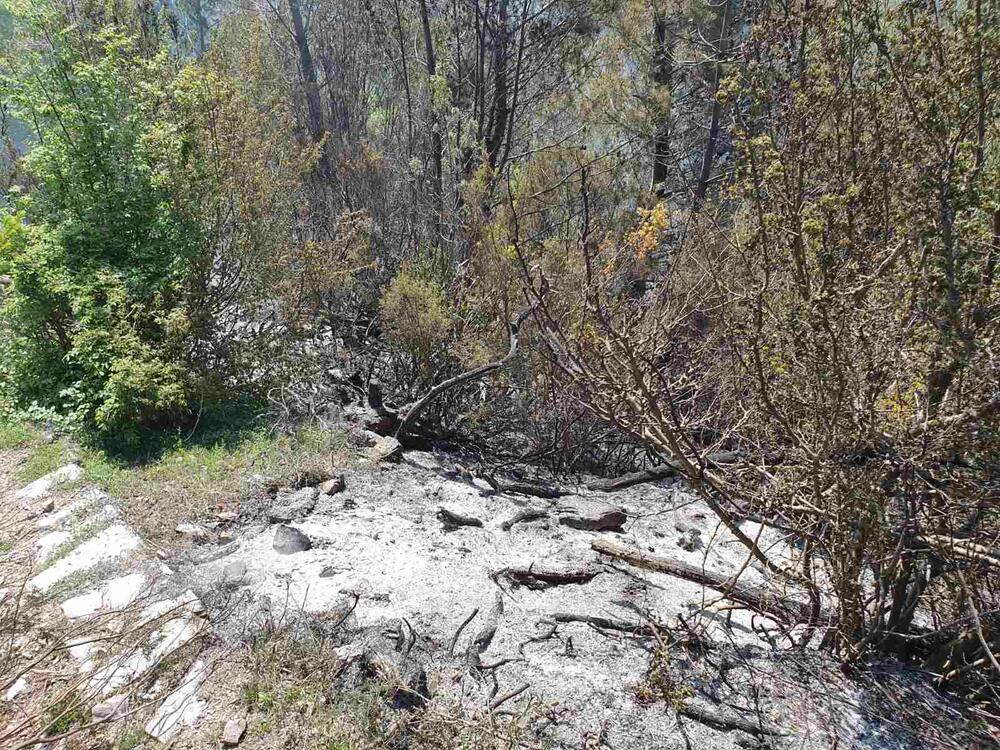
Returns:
(333,486)
(233,732)
(329,571)
(262,483)
(289,506)
(195,532)
(110,707)
(386,449)
(288,541)
(235,573)
(598,518)
(690,540)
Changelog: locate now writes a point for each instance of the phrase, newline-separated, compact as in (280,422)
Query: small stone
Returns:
(329,572)
(194,531)
(288,541)
(599,519)
(235,572)
(333,486)
(689,540)
(47,506)
(110,707)
(386,449)
(232,733)
(290,506)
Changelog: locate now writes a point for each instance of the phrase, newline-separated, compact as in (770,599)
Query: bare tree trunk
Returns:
(501,104)
(308,69)
(437,142)
(406,78)
(663,72)
(201,24)
(708,157)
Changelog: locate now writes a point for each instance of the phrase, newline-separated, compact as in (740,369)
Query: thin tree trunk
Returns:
(406,78)
(437,143)
(708,157)
(308,69)
(663,71)
(501,104)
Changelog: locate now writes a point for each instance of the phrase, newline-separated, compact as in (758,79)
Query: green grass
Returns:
(17,435)
(65,715)
(130,738)
(179,475)
(224,464)
(45,458)
(167,476)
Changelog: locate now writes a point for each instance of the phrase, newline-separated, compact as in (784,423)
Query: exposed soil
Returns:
(414,574)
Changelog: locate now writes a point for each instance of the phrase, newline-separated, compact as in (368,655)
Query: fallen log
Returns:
(606,623)
(729,723)
(537,579)
(532,489)
(525,516)
(757,599)
(671,468)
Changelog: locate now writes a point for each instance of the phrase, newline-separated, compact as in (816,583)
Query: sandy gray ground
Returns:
(382,540)
(399,581)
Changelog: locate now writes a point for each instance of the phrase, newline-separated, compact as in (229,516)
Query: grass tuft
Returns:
(17,435)
(177,476)
(44,458)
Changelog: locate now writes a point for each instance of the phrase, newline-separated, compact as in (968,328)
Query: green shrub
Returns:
(414,315)
(154,239)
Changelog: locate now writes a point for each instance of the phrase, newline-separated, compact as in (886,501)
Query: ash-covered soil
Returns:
(391,569)
(469,603)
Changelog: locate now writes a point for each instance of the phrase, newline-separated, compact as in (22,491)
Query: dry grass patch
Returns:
(298,691)
(181,477)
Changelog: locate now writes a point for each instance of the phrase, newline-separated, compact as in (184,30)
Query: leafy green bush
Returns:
(416,320)
(151,261)
(100,261)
